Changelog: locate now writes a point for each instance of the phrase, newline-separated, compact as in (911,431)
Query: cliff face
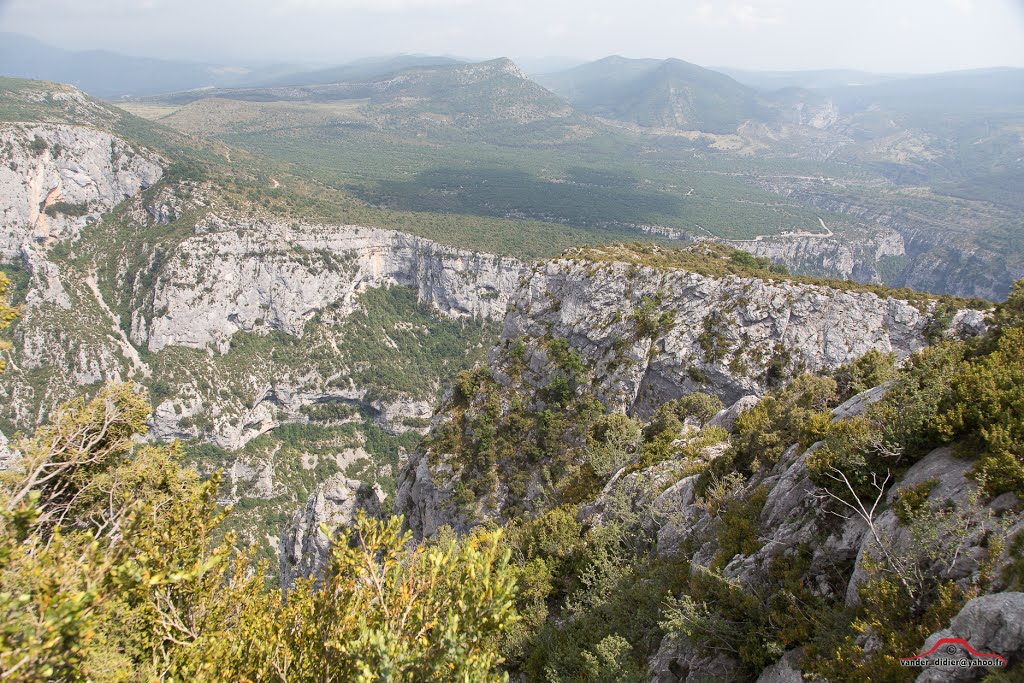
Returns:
(903,238)
(237,325)
(646,334)
(55,179)
(334,504)
(860,257)
(234,277)
(739,510)
(652,334)
(208,279)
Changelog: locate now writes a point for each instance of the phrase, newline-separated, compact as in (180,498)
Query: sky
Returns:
(905,36)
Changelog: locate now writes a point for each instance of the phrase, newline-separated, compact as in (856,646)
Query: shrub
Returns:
(739,526)
(765,431)
(986,407)
(698,405)
(8,314)
(613,442)
(109,571)
(67,209)
(38,146)
(870,370)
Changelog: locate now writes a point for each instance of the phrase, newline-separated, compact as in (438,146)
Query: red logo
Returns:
(950,647)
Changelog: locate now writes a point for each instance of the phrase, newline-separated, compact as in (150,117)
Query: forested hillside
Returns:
(416,370)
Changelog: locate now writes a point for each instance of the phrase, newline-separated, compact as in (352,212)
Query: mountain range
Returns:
(734,369)
(668,148)
(661,432)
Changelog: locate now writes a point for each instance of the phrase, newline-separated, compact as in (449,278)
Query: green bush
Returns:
(868,371)
(789,417)
(109,572)
(986,407)
(67,209)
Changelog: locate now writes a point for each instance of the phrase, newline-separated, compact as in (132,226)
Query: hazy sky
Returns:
(876,35)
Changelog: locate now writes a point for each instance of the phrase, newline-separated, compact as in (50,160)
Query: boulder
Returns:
(304,546)
(726,417)
(989,624)
(786,670)
(678,660)
(859,403)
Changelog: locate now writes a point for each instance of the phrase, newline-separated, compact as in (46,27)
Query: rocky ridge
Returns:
(333,504)
(790,520)
(648,334)
(244,276)
(55,179)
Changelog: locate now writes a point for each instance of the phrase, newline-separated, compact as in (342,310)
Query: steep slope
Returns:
(285,346)
(850,506)
(55,179)
(627,330)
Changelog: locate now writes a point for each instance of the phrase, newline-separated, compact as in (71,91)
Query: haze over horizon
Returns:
(917,36)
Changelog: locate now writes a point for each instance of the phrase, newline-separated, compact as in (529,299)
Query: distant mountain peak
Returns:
(505,65)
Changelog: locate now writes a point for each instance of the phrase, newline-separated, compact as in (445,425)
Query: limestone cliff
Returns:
(652,333)
(905,238)
(236,275)
(238,320)
(862,256)
(55,179)
(334,504)
(644,334)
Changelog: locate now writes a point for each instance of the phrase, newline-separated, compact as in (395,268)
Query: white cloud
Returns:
(964,6)
(384,6)
(82,7)
(704,13)
(742,14)
(556,30)
(750,15)
(752,33)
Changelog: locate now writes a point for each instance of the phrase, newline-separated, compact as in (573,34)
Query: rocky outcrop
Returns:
(54,179)
(990,624)
(304,546)
(856,405)
(235,276)
(946,478)
(851,256)
(726,418)
(678,660)
(422,495)
(791,518)
(646,335)
(786,670)
(7,456)
(652,334)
